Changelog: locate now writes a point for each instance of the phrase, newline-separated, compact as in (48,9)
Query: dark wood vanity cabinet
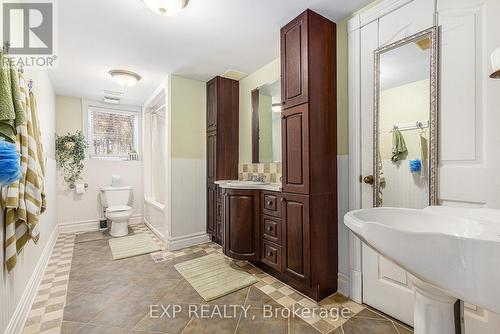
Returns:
(222,146)
(242,224)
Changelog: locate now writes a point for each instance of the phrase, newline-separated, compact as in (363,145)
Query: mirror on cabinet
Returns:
(266,123)
(405,122)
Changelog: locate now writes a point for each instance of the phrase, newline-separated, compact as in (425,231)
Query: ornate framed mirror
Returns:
(406,122)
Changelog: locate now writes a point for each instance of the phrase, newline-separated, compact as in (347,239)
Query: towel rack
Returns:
(409,126)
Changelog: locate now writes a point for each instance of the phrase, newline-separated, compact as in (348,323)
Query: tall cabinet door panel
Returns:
(212,105)
(294,85)
(295,145)
(297,237)
(211,200)
(211,156)
(241,220)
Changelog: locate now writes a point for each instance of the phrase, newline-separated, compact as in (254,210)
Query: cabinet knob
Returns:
(283,199)
(270,228)
(269,253)
(269,203)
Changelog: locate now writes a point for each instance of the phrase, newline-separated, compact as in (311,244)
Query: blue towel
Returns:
(10,167)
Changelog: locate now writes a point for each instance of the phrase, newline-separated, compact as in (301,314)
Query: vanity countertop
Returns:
(236,184)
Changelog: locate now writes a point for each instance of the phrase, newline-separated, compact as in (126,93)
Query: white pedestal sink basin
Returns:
(449,253)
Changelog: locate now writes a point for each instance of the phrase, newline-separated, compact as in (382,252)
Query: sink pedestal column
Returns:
(434,309)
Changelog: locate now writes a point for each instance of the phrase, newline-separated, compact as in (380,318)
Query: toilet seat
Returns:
(118,208)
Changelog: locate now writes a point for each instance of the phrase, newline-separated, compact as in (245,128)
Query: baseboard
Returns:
(175,243)
(16,323)
(89,225)
(154,229)
(356,286)
(343,284)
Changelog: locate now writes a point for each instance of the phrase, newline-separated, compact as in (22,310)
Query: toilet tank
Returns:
(111,196)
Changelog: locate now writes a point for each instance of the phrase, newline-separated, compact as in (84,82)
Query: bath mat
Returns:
(214,276)
(89,236)
(134,245)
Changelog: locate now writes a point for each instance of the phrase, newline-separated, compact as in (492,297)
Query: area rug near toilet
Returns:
(134,245)
(214,276)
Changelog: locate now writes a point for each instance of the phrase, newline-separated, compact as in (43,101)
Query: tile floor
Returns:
(99,295)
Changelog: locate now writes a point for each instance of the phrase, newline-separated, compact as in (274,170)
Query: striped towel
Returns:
(24,200)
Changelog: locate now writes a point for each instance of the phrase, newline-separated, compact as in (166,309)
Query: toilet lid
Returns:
(118,208)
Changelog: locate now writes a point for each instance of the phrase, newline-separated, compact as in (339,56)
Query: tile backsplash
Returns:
(271,171)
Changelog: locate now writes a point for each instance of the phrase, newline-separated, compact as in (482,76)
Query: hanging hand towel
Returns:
(12,114)
(399,149)
(24,200)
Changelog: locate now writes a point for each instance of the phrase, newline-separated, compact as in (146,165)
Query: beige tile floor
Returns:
(99,295)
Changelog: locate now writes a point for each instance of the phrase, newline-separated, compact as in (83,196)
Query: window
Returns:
(112,133)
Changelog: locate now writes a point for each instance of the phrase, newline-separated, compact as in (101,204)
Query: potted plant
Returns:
(70,152)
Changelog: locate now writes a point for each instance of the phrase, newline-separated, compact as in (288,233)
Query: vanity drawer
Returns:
(271,204)
(271,229)
(271,255)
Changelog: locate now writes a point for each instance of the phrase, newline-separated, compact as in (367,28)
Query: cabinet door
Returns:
(241,224)
(295,149)
(211,207)
(212,105)
(294,79)
(211,156)
(297,261)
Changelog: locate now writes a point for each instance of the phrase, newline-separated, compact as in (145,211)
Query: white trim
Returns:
(379,10)
(343,283)
(153,229)
(16,323)
(354,70)
(175,243)
(90,225)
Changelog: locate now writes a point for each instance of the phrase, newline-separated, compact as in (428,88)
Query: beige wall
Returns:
(188,103)
(84,211)
(342,92)
(69,114)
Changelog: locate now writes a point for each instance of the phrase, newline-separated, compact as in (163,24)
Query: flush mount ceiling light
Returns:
(125,78)
(495,64)
(165,7)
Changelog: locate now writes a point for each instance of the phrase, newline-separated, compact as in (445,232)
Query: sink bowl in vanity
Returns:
(449,254)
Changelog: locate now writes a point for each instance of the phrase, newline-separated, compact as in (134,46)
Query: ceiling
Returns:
(207,38)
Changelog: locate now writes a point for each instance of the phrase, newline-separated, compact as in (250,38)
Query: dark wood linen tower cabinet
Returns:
(292,234)
(309,153)
(222,147)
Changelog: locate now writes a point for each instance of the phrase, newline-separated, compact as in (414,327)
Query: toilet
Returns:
(117,201)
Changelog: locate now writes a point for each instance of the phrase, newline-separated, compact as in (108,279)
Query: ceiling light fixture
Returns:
(125,78)
(111,100)
(495,64)
(165,7)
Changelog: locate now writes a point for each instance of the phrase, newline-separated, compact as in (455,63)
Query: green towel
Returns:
(399,149)
(12,112)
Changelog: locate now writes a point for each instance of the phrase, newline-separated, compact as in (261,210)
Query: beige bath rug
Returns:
(134,245)
(214,276)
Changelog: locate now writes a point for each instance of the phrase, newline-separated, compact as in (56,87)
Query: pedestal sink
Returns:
(449,253)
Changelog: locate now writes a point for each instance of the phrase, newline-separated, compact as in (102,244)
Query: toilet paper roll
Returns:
(79,188)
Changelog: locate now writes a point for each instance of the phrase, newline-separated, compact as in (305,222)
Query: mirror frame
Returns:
(433,34)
